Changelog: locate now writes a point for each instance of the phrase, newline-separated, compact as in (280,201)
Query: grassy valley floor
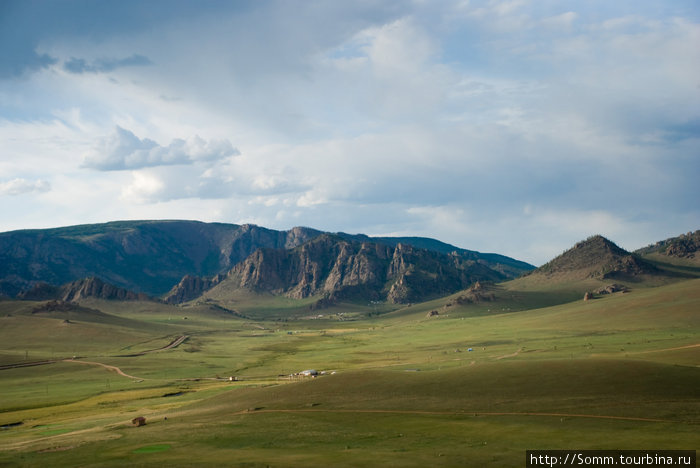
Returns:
(475,385)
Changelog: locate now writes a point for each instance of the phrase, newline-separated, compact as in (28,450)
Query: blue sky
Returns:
(517,127)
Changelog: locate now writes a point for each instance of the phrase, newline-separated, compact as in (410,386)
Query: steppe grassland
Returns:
(627,355)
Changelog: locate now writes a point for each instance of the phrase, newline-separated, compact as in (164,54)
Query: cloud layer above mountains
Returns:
(124,150)
(517,127)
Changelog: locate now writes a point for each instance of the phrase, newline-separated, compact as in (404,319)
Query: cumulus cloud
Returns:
(429,118)
(123,151)
(78,65)
(144,188)
(21,186)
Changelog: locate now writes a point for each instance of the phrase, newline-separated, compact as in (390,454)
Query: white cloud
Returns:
(22,186)
(123,150)
(433,118)
(143,188)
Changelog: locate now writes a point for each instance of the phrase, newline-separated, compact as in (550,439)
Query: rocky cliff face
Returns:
(324,265)
(683,246)
(190,287)
(82,289)
(333,267)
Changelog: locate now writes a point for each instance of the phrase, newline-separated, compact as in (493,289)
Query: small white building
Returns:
(309,373)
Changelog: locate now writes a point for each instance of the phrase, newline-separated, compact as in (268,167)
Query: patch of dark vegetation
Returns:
(108,404)
(25,364)
(153,448)
(629,268)
(174,394)
(225,310)
(325,302)
(11,425)
(483,344)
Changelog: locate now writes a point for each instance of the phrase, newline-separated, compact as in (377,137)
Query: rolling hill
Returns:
(595,258)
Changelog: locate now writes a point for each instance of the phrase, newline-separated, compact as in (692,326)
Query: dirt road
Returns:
(106,366)
(457,413)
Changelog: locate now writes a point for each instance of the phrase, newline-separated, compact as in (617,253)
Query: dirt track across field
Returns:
(667,349)
(509,355)
(108,367)
(173,344)
(457,413)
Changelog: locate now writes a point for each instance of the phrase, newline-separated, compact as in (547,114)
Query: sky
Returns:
(517,127)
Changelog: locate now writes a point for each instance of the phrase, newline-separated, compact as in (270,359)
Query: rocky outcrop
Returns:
(612,289)
(56,306)
(336,268)
(609,289)
(683,246)
(78,290)
(97,289)
(324,265)
(190,287)
(476,293)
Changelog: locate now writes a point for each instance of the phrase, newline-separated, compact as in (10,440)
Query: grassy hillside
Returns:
(545,370)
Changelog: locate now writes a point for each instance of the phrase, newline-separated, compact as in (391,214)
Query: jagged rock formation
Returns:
(336,268)
(82,289)
(509,267)
(190,287)
(683,246)
(96,288)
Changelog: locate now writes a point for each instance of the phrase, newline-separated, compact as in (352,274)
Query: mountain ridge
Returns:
(148,256)
(143,256)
